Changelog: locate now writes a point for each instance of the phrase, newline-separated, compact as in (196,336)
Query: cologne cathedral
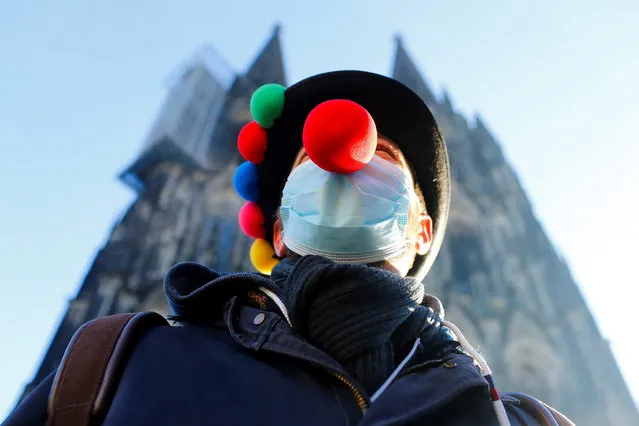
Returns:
(498,274)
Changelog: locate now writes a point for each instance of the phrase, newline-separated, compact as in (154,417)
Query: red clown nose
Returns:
(340,136)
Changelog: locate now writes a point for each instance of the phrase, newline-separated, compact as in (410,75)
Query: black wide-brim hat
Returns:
(399,114)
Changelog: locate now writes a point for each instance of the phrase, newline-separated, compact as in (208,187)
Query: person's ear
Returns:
(424,235)
(278,241)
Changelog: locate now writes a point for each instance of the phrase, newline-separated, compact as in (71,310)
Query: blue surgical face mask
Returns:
(360,217)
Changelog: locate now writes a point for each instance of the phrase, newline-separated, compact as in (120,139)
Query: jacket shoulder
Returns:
(32,411)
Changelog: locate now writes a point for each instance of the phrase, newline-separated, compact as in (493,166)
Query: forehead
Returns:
(386,148)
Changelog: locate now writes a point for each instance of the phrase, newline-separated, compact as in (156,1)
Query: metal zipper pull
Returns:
(426,364)
(362,403)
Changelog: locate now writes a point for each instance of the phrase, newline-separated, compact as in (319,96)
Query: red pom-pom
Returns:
(251,220)
(252,142)
(340,136)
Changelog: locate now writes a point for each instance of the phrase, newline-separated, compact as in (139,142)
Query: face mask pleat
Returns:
(356,218)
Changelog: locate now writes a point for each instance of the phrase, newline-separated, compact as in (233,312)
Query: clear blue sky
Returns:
(80,84)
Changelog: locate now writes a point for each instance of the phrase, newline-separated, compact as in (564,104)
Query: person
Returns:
(348,189)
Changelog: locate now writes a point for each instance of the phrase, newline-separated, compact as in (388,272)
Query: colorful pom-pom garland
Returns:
(339,136)
(266,106)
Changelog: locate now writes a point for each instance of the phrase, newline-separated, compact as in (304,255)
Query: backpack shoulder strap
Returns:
(92,365)
(540,411)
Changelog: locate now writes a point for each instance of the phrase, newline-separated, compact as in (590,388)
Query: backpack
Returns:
(92,365)
(96,356)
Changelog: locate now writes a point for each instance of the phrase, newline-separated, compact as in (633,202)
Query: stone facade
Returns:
(498,274)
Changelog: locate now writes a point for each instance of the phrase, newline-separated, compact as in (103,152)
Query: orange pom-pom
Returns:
(252,142)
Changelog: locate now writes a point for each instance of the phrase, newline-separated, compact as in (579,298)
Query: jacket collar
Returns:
(199,295)
(259,329)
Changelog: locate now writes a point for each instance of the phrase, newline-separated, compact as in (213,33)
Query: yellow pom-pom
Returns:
(263,256)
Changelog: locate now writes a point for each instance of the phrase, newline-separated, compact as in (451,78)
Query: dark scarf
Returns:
(365,318)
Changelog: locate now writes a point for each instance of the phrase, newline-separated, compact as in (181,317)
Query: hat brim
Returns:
(399,114)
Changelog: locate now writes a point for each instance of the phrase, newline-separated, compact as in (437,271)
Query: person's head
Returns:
(419,232)
(416,163)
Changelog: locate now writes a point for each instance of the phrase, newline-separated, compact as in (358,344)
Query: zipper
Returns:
(360,396)
(362,403)
(361,400)
(426,364)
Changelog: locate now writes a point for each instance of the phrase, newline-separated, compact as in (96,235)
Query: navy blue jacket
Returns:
(247,366)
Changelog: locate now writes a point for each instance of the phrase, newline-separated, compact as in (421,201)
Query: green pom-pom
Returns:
(267,104)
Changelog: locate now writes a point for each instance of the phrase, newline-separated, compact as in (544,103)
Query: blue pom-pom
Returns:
(245,181)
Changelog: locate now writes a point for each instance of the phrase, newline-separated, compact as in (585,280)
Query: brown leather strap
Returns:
(562,420)
(92,365)
(543,413)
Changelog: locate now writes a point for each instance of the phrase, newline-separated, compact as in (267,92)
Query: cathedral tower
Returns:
(505,286)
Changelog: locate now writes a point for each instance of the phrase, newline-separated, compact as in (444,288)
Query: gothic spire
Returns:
(405,71)
(268,66)
(446,101)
